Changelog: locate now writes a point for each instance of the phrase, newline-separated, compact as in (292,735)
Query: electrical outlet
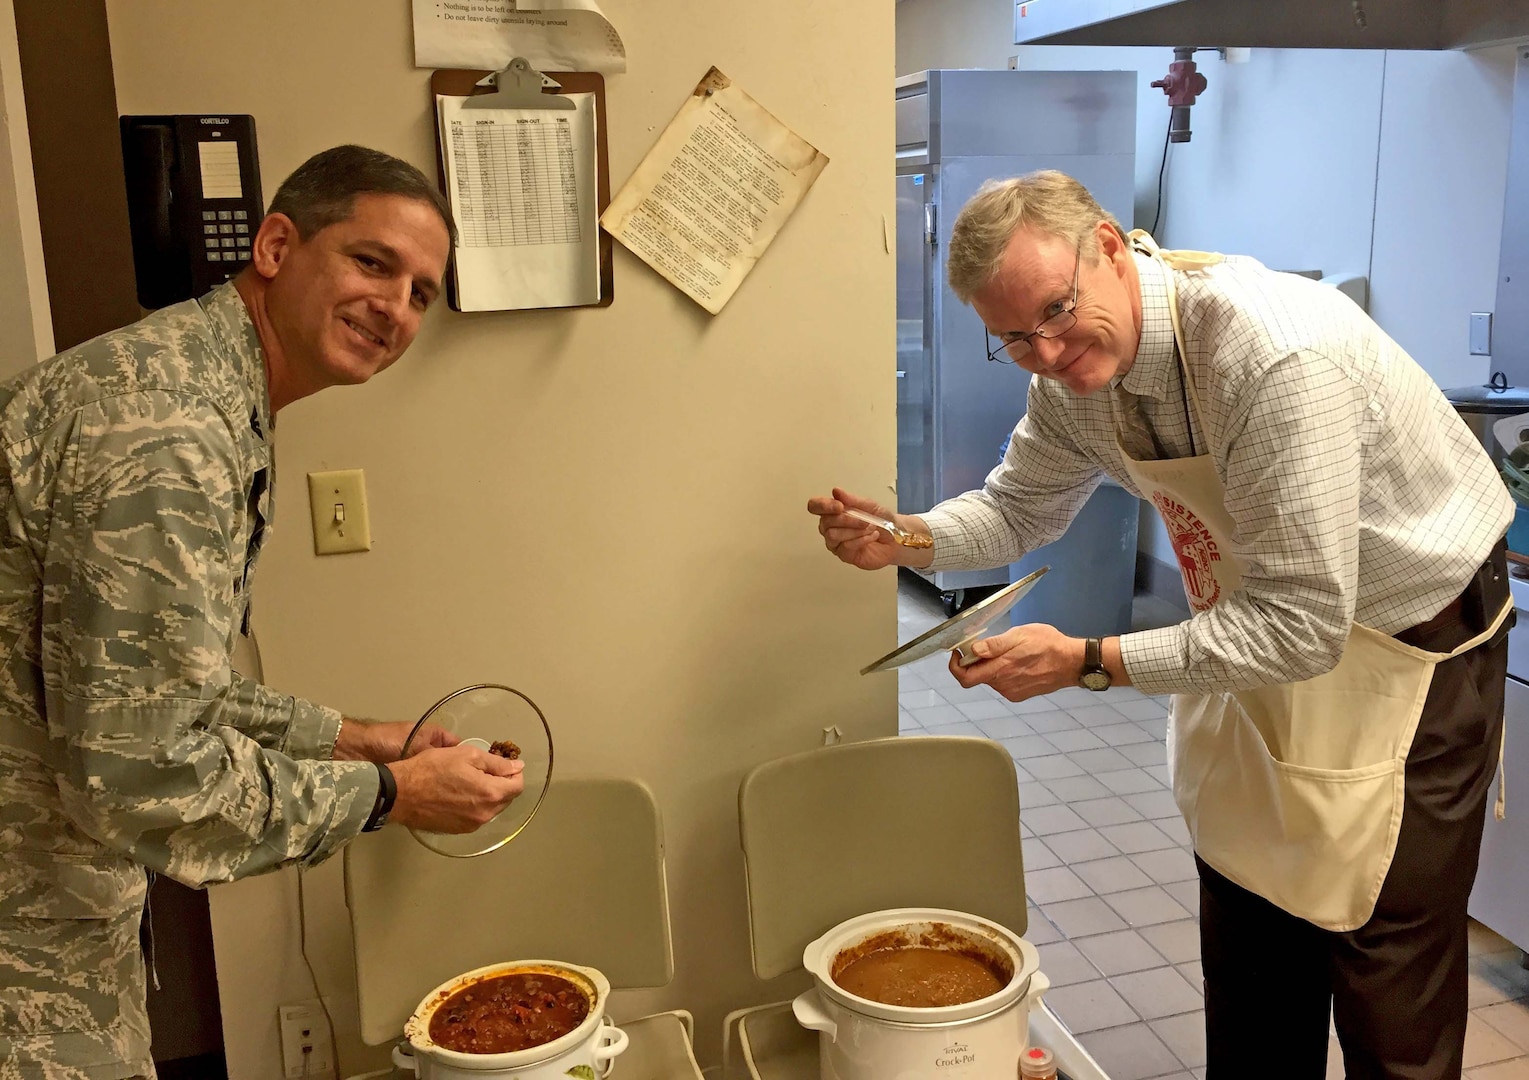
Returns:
(306,1050)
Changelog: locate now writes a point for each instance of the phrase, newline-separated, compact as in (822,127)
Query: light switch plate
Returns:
(1481,333)
(338,502)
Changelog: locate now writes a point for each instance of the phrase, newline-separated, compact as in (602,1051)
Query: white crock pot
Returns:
(861,1039)
(594,1044)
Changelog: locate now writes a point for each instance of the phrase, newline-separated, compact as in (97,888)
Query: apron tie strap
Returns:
(1500,807)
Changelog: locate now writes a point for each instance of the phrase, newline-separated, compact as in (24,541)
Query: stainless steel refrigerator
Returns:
(955,130)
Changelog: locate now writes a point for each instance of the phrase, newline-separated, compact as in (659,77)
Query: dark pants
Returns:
(1397,985)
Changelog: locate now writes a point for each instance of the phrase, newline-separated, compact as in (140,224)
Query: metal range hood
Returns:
(1273,24)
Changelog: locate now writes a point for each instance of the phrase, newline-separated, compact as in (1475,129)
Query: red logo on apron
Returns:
(1195,548)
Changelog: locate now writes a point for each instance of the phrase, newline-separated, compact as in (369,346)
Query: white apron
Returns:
(1294,791)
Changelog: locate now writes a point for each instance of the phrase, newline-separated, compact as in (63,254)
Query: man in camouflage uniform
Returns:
(135,491)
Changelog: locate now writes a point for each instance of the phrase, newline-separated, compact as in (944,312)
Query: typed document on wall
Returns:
(553,35)
(712,193)
(522,186)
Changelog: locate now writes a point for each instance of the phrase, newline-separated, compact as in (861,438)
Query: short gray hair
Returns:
(322,190)
(1050,202)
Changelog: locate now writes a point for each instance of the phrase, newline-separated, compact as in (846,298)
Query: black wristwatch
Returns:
(1094,676)
(387,791)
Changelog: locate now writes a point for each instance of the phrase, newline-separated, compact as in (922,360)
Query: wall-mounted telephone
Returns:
(193,196)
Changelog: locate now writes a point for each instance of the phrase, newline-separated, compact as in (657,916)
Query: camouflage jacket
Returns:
(135,484)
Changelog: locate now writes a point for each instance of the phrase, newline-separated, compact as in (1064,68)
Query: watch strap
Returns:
(387,793)
(1095,675)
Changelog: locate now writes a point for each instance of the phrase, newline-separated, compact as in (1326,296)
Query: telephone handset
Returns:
(193,197)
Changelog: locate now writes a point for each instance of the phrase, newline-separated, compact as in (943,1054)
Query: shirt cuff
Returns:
(313,731)
(947,532)
(356,786)
(1155,659)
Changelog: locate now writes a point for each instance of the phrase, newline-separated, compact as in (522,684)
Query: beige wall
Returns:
(26,329)
(603,508)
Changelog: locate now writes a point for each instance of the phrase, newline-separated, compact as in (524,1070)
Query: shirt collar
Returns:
(1153,373)
(231,322)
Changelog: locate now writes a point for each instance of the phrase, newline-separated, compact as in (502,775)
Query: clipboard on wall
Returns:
(526,171)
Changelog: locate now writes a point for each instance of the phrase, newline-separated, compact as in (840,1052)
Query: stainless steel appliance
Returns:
(1502,881)
(955,130)
(1482,406)
(1510,320)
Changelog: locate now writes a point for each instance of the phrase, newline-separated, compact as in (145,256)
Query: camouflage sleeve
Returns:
(143,567)
(280,722)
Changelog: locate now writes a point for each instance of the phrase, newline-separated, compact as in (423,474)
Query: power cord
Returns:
(302,940)
(1158,213)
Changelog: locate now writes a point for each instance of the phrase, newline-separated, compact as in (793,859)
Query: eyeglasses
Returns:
(1018,346)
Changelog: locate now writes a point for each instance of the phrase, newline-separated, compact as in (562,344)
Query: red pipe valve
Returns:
(1183,83)
(1182,86)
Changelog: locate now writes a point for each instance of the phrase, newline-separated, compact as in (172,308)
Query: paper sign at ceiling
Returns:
(554,35)
(713,192)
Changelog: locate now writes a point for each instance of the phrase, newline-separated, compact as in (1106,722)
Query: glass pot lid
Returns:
(960,629)
(488,715)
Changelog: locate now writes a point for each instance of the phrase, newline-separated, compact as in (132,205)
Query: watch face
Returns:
(1096,680)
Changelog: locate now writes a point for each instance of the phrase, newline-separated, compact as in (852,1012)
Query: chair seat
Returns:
(774,1046)
(660,1048)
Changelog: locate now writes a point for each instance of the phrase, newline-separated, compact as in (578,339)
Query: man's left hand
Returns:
(362,740)
(1023,662)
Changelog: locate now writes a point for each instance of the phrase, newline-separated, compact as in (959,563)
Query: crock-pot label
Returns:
(957,1055)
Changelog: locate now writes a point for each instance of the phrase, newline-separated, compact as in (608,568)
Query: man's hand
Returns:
(363,740)
(454,789)
(864,545)
(1023,662)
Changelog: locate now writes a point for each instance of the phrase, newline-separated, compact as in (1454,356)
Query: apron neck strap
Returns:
(1142,241)
(1176,260)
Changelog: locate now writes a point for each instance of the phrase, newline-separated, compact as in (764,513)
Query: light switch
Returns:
(338,501)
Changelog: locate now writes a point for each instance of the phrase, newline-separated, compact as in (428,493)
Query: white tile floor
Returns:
(1113,898)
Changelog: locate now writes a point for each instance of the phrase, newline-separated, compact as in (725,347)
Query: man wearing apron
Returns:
(1338,689)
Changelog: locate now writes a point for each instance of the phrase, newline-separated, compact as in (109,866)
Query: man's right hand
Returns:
(454,789)
(862,545)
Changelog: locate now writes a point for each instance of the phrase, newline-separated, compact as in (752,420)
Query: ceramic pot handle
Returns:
(1039,984)
(404,1062)
(613,1041)
(809,1012)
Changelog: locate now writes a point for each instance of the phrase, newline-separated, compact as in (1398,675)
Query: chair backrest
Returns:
(583,883)
(844,830)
